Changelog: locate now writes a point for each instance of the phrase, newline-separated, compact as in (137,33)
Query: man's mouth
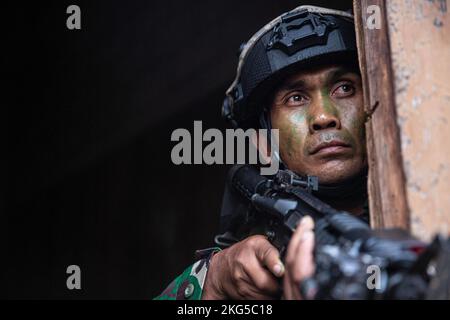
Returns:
(334,146)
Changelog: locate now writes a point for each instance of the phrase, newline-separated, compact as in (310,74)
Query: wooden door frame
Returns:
(386,183)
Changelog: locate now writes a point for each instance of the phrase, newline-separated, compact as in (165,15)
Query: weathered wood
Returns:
(406,72)
(419,34)
(387,197)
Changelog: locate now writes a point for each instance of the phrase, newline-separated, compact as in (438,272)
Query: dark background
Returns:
(89,176)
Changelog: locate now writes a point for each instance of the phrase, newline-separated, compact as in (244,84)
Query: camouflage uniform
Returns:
(189,284)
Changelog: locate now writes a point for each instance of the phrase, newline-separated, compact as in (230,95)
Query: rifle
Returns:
(346,251)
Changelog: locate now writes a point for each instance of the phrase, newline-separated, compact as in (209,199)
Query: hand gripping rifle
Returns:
(352,261)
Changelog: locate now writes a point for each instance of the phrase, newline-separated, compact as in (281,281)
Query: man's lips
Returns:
(334,145)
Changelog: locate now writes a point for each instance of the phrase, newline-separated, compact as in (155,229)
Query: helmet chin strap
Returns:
(350,188)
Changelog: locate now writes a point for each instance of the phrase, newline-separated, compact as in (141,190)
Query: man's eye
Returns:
(296,99)
(344,90)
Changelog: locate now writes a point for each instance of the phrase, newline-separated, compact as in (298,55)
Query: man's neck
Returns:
(349,196)
(354,205)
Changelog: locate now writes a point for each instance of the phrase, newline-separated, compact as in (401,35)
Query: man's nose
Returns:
(324,116)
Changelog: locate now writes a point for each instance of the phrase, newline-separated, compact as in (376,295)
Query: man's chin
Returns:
(335,179)
(330,181)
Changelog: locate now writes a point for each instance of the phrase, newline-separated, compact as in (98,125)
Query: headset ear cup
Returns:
(226,108)
(227,111)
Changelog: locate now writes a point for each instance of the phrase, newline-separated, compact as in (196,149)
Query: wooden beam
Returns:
(387,196)
(405,68)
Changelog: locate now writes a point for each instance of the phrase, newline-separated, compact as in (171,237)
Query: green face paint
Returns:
(297,121)
(299,137)
(289,144)
(328,105)
(359,127)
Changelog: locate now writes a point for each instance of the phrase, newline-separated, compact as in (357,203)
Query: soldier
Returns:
(298,74)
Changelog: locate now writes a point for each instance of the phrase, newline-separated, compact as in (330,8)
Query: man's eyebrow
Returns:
(331,77)
(291,85)
(339,72)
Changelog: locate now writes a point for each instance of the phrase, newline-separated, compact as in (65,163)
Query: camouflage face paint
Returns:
(300,136)
(328,105)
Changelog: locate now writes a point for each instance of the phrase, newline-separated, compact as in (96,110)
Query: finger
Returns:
(287,285)
(269,257)
(291,255)
(306,267)
(257,295)
(247,290)
(253,292)
(250,293)
(304,247)
(307,223)
(264,281)
(290,286)
(305,262)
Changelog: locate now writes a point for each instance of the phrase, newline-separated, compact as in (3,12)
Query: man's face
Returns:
(320,115)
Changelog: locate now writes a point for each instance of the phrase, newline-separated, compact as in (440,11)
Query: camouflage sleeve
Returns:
(189,284)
